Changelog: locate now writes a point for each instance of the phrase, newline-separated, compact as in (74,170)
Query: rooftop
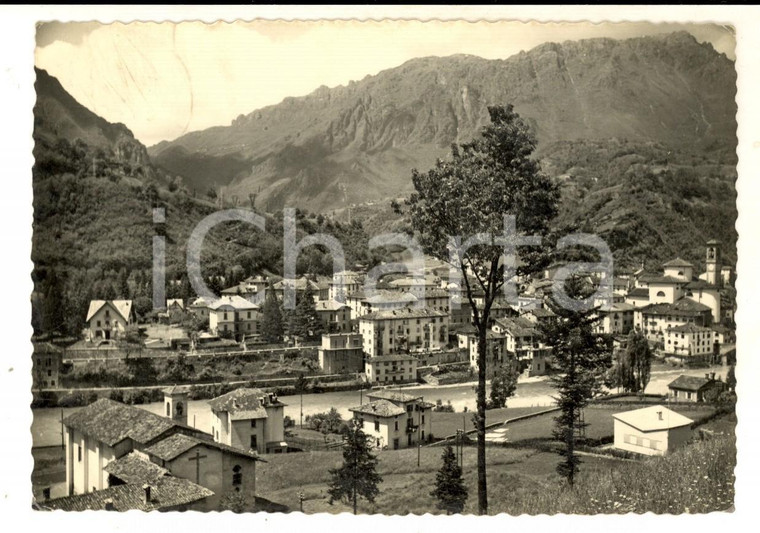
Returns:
(380,408)
(391,357)
(165,492)
(677,262)
(123,307)
(392,395)
(402,314)
(235,302)
(639,292)
(132,468)
(654,418)
(700,284)
(683,306)
(172,447)
(689,383)
(689,328)
(111,422)
(247,400)
(518,327)
(541,312)
(329,305)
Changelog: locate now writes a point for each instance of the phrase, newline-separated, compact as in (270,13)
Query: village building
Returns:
(460,315)
(46,363)
(165,493)
(252,288)
(363,303)
(655,319)
(107,443)
(654,430)
(437,300)
(335,316)
(235,316)
(341,352)
(344,283)
(679,269)
(298,286)
(638,297)
(693,388)
(539,315)
(723,335)
(417,287)
(200,307)
(249,419)
(495,349)
(392,368)
(403,331)
(523,343)
(689,340)
(108,319)
(615,319)
(395,419)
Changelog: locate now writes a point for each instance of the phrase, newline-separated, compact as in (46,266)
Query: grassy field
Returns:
(597,416)
(445,424)
(698,478)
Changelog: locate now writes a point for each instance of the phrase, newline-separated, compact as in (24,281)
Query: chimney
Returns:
(146,491)
(109,505)
(659,415)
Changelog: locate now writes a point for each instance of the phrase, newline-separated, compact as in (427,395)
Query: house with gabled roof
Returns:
(249,419)
(395,419)
(654,430)
(108,319)
(693,388)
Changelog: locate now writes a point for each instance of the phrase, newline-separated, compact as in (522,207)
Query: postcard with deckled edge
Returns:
(477,268)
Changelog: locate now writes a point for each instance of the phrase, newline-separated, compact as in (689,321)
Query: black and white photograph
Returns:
(384,267)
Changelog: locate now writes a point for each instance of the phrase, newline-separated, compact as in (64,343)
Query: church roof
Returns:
(165,492)
(132,468)
(678,262)
(111,422)
(172,447)
(682,307)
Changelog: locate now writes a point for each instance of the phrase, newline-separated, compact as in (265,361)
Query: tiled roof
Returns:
(165,492)
(391,357)
(176,389)
(684,306)
(329,305)
(541,312)
(133,468)
(518,327)
(678,262)
(654,418)
(392,395)
(243,399)
(235,302)
(299,284)
(689,383)
(123,307)
(174,446)
(386,296)
(111,422)
(402,314)
(380,408)
(46,347)
(665,280)
(617,307)
(639,292)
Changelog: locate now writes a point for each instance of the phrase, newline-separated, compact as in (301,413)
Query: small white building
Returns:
(249,419)
(654,430)
(395,419)
(392,368)
(234,315)
(341,352)
(108,319)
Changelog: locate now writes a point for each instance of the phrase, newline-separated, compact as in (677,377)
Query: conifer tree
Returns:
(271,321)
(582,357)
(731,379)
(304,320)
(358,475)
(450,490)
(503,385)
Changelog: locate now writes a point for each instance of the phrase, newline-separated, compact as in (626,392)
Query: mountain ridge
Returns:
(357,142)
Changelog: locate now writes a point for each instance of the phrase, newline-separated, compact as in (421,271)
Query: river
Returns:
(46,426)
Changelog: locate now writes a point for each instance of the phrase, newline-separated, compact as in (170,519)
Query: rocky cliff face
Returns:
(57,115)
(356,143)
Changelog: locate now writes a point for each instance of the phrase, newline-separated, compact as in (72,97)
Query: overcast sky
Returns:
(163,80)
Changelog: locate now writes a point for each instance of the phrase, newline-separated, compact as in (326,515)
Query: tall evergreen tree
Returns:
(639,360)
(450,490)
(582,357)
(304,320)
(358,475)
(470,194)
(731,378)
(271,320)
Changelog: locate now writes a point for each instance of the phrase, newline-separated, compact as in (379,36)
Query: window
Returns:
(50,373)
(377,424)
(253,422)
(79,453)
(395,426)
(423,419)
(98,323)
(660,293)
(52,383)
(168,409)
(237,475)
(254,443)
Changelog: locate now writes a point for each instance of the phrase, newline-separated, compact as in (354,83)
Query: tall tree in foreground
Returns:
(582,357)
(469,194)
(358,475)
(450,490)
(271,320)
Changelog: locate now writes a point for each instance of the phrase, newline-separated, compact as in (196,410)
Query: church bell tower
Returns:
(175,403)
(712,262)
